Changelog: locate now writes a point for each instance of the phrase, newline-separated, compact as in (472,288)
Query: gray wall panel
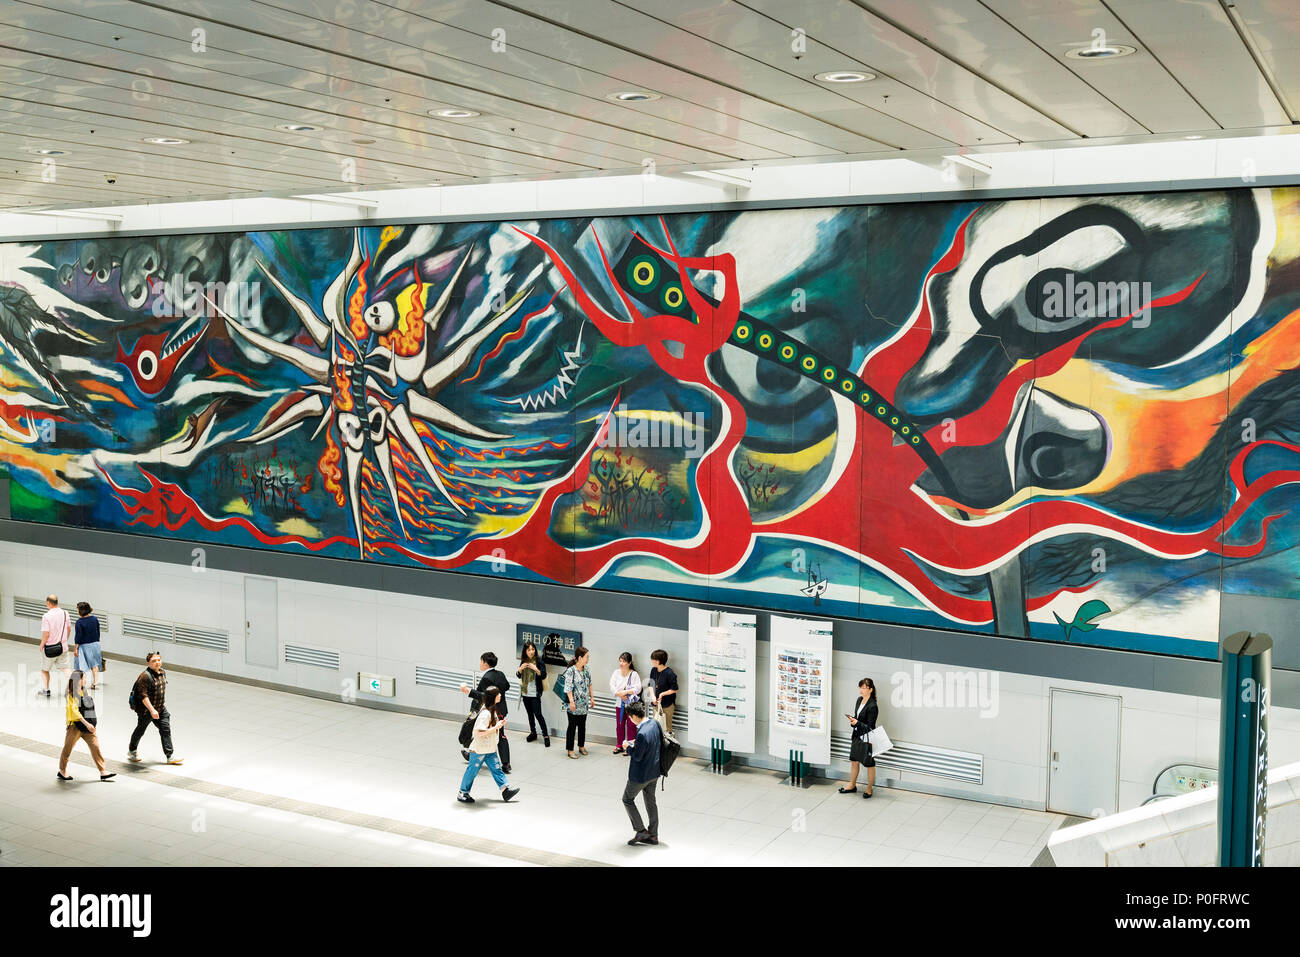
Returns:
(960,649)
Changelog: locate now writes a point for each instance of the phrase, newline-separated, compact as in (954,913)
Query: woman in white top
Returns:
(625,684)
(483,749)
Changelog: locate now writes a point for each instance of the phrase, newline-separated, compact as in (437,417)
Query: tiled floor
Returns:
(369,787)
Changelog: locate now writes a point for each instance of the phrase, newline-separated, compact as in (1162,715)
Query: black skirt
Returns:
(860,751)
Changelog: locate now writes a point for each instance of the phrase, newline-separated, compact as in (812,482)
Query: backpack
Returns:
(132,701)
(669,749)
(466,737)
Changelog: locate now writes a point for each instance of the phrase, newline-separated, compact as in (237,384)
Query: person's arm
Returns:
(634,685)
(142,692)
(591,691)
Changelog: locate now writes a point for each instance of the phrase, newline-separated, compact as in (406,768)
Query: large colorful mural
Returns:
(1070,419)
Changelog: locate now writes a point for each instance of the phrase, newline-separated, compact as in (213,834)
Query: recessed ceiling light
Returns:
(1194,136)
(48,152)
(363,142)
(165,140)
(844,76)
(1110,51)
(454,113)
(297,128)
(632,96)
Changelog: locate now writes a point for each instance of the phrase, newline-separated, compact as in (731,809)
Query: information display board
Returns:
(799,706)
(721,691)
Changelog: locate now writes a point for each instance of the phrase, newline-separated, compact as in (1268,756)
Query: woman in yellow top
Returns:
(81,724)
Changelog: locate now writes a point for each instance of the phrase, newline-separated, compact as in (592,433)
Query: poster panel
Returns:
(799,703)
(721,693)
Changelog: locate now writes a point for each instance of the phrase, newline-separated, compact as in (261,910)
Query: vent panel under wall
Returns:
(316,657)
(208,638)
(148,629)
(922,758)
(34,608)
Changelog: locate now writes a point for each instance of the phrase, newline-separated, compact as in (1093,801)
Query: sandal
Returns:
(582,751)
(572,755)
(618,750)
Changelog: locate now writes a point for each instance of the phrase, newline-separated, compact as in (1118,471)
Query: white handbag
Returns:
(879,741)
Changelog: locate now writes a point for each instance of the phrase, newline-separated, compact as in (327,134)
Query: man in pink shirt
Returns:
(56,628)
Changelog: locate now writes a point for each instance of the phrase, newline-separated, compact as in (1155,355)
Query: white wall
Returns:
(1239,161)
(391,633)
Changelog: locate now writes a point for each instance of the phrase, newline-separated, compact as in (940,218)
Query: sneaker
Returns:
(464,798)
(650,839)
(508,793)
(108,777)
(638,838)
(133,757)
(175,760)
(45,693)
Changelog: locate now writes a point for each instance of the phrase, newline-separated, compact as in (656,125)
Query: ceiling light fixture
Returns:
(1109,51)
(1194,136)
(455,113)
(632,96)
(165,140)
(340,200)
(719,176)
(844,76)
(297,128)
(78,214)
(48,152)
(981,168)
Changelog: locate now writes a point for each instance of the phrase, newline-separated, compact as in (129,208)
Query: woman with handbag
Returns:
(625,684)
(531,674)
(81,725)
(86,638)
(488,728)
(579,699)
(862,722)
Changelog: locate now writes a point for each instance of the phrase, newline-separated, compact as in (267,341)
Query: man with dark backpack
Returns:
(149,702)
(643,774)
(487,664)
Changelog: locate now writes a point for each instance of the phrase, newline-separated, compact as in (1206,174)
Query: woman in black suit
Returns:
(862,721)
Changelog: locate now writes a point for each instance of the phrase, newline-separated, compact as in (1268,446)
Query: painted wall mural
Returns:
(1070,419)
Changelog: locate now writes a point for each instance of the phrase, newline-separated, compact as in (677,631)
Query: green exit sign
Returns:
(383,686)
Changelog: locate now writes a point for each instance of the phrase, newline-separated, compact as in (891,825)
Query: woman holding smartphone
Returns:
(861,722)
(531,674)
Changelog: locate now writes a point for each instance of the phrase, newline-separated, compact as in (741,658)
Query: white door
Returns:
(261,622)
(1083,765)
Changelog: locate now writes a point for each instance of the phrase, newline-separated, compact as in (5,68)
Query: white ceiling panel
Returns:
(733,82)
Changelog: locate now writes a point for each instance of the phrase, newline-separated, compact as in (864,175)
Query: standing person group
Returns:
(625,684)
(861,723)
(662,683)
(579,699)
(531,675)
